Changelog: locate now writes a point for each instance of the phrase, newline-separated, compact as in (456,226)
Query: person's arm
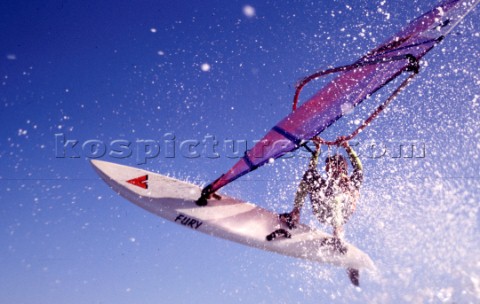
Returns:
(357,175)
(314,160)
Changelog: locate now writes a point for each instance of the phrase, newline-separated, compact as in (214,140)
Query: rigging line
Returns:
(386,51)
(345,68)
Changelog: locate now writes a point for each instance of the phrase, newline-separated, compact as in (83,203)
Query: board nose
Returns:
(100,166)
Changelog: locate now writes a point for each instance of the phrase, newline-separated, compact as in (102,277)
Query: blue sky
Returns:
(168,72)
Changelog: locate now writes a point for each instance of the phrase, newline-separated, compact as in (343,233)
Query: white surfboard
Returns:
(227,218)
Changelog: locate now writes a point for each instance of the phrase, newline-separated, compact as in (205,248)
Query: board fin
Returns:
(354,276)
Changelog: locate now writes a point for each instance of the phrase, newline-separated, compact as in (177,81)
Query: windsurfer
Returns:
(333,198)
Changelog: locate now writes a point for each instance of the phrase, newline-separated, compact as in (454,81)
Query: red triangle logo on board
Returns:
(139,181)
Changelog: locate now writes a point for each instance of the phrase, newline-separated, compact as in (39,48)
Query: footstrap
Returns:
(277,233)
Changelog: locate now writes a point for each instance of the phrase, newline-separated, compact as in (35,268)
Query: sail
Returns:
(351,87)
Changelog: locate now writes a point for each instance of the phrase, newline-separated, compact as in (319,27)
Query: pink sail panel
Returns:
(351,87)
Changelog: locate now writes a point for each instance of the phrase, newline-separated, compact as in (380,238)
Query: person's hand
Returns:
(343,141)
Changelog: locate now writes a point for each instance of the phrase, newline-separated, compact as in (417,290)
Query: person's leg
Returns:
(337,224)
(337,219)
(293,218)
(338,232)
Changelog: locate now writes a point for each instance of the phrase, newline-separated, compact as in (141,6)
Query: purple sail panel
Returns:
(352,86)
